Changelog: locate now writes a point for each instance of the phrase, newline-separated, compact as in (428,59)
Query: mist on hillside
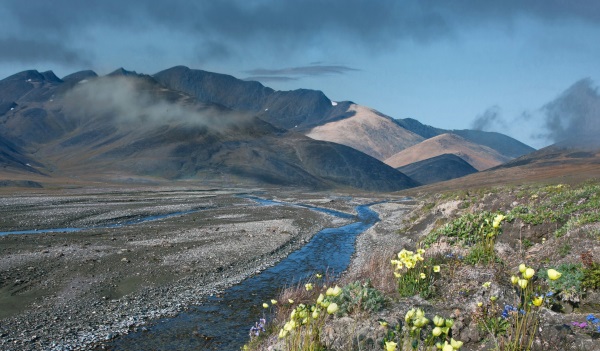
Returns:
(574,116)
(131,101)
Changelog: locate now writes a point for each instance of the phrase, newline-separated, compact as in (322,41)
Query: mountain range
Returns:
(190,125)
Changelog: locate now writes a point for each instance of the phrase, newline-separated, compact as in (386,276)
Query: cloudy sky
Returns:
(493,65)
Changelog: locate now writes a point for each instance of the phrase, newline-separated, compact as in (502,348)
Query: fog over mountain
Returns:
(574,115)
(445,63)
(128,126)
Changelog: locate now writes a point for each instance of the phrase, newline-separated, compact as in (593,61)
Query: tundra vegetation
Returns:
(506,268)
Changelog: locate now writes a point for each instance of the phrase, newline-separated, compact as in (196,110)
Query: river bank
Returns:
(67,291)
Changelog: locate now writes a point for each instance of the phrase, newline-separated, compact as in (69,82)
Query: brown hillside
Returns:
(553,164)
(368,131)
(479,156)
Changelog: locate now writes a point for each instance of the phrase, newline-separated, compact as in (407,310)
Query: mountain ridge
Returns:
(127,125)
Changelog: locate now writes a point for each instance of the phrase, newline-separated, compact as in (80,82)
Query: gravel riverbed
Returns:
(73,290)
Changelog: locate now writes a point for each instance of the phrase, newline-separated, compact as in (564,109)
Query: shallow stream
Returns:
(223,322)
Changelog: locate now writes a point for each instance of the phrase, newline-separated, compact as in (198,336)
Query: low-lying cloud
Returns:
(489,120)
(575,114)
(129,101)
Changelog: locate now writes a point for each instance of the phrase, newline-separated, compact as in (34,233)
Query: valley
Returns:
(63,289)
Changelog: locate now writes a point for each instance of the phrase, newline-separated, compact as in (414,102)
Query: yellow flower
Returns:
(493,298)
(289,326)
(320,299)
(383,323)
(423,276)
(499,218)
(538,300)
(438,321)
(522,267)
(528,274)
(308,286)
(437,331)
(514,280)
(315,314)
(523,283)
(487,284)
(420,251)
(449,323)
(436,269)
(332,308)
(390,346)
(480,304)
(421,322)
(397,275)
(265,305)
(319,276)
(456,344)
(420,313)
(290,301)
(447,347)
(553,274)
(283,333)
(273,302)
(409,314)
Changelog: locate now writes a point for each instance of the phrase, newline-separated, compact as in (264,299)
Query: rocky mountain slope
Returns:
(130,126)
(479,156)
(368,131)
(438,169)
(298,109)
(503,144)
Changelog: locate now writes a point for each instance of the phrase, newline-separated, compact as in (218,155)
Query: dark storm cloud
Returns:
(487,120)
(32,51)
(228,28)
(574,114)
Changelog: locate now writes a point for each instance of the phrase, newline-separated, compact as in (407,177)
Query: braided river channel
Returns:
(222,322)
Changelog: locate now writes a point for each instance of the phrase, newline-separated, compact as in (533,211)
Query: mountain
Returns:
(366,130)
(437,169)
(503,144)
(298,109)
(571,161)
(129,125)
(479,156)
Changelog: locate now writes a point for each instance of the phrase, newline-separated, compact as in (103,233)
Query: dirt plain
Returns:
(68,290)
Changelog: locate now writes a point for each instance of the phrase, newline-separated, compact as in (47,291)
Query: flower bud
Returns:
(390,346)
(409,315)
(553,274)
(332,308)
(456,344)
(437,331)
(522,267)
(320,299)
(528,274)
(523,283)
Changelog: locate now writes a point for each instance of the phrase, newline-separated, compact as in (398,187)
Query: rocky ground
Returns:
(68,290)
(460,287)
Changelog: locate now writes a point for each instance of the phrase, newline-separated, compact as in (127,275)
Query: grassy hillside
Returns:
(469,269)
